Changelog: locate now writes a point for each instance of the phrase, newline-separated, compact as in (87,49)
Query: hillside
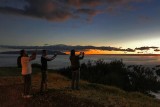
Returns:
(60,94)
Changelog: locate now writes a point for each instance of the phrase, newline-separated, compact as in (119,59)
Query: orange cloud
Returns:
(97,52)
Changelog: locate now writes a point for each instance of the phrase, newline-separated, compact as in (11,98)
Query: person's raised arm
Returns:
(33,56)
(82,55)
(52,58)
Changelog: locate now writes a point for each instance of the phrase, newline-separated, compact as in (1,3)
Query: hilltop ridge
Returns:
(60,94)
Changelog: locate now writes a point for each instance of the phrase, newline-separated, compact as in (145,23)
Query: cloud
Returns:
(140,52)
(156,50)
(90,12)
(45,9)
(62,47)
(61,10)
(129,50)
(146,48)
(79,3)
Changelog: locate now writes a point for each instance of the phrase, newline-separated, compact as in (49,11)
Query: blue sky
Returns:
(115,23)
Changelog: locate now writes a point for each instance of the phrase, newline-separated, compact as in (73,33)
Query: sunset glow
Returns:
(91,52)
(99,52)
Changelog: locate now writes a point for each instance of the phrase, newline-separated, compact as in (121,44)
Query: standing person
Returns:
(26,72)
(19,60)
(44,68)
(75,66)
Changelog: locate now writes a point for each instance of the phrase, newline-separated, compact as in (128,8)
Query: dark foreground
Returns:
(11,96)
(60,95)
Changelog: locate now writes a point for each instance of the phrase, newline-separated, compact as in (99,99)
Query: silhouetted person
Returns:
(19,60)
(75,66)
(26,72)
(44,68)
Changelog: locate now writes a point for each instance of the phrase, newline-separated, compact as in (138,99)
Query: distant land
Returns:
(38,52)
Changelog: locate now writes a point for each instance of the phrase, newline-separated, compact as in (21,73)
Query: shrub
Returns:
(116,73)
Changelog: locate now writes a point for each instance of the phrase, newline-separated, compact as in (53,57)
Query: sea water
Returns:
(61,61)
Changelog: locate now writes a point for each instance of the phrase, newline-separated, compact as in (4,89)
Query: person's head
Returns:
(23,52)
(72,52)
(44,52)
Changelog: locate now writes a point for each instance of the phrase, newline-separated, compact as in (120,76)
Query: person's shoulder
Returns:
(24,58)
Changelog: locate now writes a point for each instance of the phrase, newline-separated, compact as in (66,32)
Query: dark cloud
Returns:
(80,3)
(60,10)
(140,52)
(46,9)
(117,6)
(156,50)
(90,12)
(146,48)
(129,50)
(63,47)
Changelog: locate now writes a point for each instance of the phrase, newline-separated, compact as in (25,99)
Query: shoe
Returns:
(24,96)
(27,96)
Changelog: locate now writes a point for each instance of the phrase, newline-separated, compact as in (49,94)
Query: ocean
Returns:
(61,61)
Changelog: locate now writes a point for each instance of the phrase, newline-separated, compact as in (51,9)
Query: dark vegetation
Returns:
(116,73)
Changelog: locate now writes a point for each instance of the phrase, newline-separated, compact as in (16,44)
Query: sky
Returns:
(121,26)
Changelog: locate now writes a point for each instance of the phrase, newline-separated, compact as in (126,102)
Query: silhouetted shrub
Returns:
(116,73)
(66,72)
(143,79)
(157,69)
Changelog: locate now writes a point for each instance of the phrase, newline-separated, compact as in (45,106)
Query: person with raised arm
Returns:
(44,67)
(75,67)
(27,71)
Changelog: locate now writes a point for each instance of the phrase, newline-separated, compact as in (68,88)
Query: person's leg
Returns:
(42,81)
(45,81)
(28,87)
(73,79)
(25,85)
(77,78)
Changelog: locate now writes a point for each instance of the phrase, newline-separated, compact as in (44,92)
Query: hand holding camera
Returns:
(82,53)
(55,54)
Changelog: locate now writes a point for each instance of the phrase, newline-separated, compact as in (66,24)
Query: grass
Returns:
(60,94)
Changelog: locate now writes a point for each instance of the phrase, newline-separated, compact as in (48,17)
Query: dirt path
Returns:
(10,96)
